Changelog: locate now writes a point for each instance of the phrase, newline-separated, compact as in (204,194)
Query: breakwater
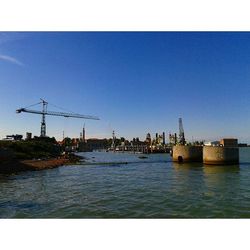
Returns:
(183,153)
(213,155)
(220,155)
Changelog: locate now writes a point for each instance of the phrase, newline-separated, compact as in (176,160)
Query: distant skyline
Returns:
(136,82)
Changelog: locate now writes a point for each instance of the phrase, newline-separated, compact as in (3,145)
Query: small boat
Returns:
(143,157)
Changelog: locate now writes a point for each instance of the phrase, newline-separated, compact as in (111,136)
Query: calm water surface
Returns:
(121,185)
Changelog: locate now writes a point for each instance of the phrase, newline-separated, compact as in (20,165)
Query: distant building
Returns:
(212,143)
(148,139)
(172,139)
(225,142)
(28,136)
(229,142)
(95,144)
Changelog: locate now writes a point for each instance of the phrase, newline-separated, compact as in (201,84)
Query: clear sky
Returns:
(136,82)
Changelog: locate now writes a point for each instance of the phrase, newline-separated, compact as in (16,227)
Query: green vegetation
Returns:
(35,148)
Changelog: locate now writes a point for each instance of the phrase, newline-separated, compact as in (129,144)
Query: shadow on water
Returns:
(207,169)
(245,163)
(187,166)
(221,183)
(215,169)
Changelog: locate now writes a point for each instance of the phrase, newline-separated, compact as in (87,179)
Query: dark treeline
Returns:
(35,148)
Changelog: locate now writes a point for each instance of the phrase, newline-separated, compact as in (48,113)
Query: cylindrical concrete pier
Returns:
(220,155)
(182,153)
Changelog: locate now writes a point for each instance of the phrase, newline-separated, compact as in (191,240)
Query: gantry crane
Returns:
(53,113)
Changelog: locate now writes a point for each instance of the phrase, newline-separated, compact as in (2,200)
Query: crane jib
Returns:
(54,113)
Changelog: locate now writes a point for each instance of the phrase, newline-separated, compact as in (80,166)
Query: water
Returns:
(129,187)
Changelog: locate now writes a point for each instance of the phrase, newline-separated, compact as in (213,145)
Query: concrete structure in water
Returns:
(223,152)
(184,153)
(220,155)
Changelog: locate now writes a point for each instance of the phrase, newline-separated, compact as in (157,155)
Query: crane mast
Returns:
(45,112)
(43,124)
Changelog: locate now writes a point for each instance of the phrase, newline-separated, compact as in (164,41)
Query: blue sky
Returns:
(136,82)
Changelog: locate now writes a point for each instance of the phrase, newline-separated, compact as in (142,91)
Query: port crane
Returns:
(182,140)
(45,112)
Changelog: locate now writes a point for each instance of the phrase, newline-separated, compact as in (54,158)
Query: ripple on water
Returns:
(152,188)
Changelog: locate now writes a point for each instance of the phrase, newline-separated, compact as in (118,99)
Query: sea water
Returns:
(125,185)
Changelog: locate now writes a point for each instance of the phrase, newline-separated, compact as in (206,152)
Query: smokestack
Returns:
(83,133)
(163,138)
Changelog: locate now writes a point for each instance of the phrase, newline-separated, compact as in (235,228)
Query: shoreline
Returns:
(14,166)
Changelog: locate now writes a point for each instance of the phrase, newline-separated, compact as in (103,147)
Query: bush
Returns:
(37,148)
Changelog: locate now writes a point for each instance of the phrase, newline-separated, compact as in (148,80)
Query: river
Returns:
(122,185)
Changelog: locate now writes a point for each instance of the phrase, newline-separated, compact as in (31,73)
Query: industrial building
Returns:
(229,142)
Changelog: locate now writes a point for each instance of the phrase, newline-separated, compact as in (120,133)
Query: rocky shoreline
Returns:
(13,165)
